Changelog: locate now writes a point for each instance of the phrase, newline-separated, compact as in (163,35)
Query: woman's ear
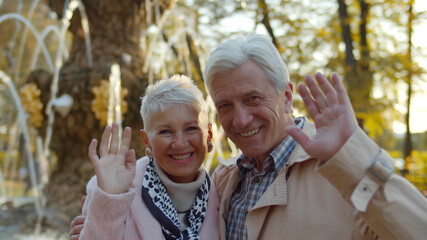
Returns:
(145,138)
(209,139)
(210,134)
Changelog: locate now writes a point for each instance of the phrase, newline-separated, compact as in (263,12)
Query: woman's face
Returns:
(178,142)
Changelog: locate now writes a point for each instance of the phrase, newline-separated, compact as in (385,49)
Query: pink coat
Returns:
(125,216)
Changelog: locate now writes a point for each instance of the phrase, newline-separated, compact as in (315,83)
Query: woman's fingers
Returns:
(105,140)
(93,156)
(127,134)
(115,139)
(111,147)
(130,159)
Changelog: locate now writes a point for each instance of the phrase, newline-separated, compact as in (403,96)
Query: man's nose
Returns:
(242,117)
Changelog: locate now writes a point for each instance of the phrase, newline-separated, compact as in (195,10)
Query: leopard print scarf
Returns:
(157,199)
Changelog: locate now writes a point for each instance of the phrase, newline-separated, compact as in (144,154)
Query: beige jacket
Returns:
(352,196)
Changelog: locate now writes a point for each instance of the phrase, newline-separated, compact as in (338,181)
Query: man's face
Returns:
(251,111)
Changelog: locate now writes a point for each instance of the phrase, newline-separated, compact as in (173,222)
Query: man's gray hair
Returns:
(178,89)
(231,54)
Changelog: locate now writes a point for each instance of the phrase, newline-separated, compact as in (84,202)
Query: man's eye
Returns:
(253,99)
(222,106)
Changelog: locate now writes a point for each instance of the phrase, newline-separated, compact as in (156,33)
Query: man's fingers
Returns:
(79,220)
(75,237)
(319,98)
(76,229)
(327,89)
(312,108)
(76,226)
(339,88)
(298,135)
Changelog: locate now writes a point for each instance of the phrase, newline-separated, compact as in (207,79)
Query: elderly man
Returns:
(331,182)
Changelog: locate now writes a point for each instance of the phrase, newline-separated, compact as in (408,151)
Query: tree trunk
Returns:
(358,75)
(408,135)
(115,28)
(366,75)
(351,73)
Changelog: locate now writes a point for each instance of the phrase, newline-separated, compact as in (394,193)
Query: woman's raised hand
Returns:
(115,165)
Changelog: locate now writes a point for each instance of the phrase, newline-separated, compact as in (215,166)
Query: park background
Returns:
(70,67)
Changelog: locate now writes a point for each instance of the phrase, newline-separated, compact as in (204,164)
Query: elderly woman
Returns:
(167,194)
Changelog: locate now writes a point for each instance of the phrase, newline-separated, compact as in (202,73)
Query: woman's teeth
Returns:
(181,157)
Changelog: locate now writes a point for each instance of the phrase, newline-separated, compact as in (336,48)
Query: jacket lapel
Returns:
(277,193)
(232,182)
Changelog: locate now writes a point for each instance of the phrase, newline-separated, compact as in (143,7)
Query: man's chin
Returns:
(253,151)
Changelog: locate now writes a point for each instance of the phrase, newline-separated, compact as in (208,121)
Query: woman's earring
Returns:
(210,146)
(148,153)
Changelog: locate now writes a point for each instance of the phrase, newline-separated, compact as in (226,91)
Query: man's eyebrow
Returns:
(216,103)
(252,92)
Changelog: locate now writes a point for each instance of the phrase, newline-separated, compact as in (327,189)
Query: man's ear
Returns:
(145,138)
(288,94)
(289,90)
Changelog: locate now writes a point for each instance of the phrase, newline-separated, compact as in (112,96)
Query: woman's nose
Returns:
(179,140)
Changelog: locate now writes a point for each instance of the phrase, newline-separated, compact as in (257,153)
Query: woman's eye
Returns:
(164,131)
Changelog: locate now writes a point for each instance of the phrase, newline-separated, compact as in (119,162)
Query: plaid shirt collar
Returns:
(248,164)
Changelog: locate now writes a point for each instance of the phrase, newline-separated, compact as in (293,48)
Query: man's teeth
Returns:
(249,133)
(181,157)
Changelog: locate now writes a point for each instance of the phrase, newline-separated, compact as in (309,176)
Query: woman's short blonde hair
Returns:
(178,89)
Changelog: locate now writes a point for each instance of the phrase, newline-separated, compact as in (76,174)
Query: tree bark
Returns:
(115,28)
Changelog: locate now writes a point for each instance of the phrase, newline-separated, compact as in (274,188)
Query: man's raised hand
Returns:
(330,108)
